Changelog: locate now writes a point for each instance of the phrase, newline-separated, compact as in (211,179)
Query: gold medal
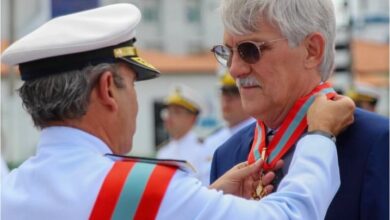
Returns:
(260,189)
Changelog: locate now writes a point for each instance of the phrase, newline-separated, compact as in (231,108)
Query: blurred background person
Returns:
(183,106)
(365,97)
(235,119)
(4,169)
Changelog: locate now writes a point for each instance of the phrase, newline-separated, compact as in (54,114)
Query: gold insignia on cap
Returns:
(227,80)
(125,52)
(176,98)
(359,97)
(142,62)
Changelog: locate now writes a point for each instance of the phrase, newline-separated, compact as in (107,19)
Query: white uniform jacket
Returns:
(62,182)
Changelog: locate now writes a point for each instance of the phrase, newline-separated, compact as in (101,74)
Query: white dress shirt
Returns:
(63,179)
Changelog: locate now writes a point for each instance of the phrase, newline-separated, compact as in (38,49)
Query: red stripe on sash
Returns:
(110,191)
(154,192)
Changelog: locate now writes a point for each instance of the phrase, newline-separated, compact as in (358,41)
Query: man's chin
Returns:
(253,109)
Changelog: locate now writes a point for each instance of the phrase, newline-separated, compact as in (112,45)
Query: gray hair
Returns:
(296,19)
(64,95)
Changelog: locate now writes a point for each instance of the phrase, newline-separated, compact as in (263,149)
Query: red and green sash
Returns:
(132,190)
(289,132)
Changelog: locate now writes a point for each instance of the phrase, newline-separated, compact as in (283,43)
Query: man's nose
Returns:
(238,67)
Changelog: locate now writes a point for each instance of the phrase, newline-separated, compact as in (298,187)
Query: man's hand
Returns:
(330,116)
(242,179)
(269,177)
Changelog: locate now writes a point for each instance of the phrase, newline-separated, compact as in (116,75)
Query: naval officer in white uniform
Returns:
(183,106)
(79,72)
(234,116)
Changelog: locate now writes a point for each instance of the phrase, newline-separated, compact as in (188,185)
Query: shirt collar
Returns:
(187,137)
(71,137)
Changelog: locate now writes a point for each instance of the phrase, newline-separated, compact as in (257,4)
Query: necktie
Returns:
(270,135)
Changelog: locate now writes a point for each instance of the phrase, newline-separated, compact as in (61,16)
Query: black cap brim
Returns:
(143,69)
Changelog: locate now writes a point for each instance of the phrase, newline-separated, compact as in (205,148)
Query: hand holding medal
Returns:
(265,186)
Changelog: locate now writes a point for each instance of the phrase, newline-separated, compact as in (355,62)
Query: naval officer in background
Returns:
(234,116)
(183,107)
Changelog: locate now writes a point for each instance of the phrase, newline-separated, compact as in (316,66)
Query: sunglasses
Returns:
(249,51)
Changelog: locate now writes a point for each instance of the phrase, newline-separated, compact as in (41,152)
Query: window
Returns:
(193,11)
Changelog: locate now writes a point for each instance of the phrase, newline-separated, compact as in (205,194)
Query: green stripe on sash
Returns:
(132,191)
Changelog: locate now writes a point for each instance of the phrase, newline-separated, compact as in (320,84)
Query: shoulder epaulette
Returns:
(180,164)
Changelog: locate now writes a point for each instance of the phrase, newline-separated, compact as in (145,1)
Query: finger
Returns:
(267,178)
(348,101)
(253,168)
(320,97)
(241,165)
(256,176)
(268,190)
(248,187)
(242,171)
(337,97)
(278,165)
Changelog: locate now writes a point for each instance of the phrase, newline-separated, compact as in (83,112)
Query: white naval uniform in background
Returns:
(62,182)
(211,144)
(188,148)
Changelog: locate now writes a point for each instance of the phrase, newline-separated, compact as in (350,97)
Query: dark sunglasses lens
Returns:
(249,52)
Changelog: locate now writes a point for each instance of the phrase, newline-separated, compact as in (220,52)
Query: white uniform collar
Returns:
(71,137)
(190,136)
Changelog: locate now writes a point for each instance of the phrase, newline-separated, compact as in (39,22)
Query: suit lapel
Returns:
(246,143)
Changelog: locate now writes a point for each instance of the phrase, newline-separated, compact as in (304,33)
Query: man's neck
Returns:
(275,119)
(179,136)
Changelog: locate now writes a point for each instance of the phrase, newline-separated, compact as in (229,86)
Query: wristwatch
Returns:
(323,133)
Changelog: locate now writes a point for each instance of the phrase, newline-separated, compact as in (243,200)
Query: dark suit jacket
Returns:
(363,153)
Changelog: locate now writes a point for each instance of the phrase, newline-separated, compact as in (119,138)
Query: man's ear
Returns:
(315,45)
(106,90)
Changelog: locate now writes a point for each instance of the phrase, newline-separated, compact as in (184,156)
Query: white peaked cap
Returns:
(73,41)
(185,97)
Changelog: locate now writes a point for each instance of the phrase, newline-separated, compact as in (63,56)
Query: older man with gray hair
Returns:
(281,52)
